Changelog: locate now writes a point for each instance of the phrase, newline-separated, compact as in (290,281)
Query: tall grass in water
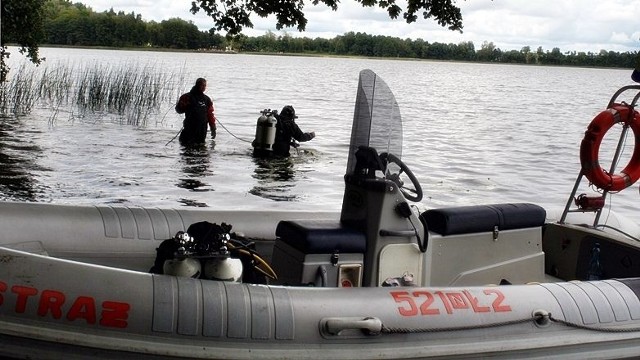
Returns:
(18,95)
(132,93)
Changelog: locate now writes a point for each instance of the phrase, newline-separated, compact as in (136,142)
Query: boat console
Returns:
(505,240)
(381,237)
(320,253)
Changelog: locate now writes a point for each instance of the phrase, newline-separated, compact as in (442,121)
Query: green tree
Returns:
(437,51)
(513,56)
(232,16)
(555,57)
(214,40)
(540,55)
(488,52)
(466,51)
(420,48)
(68,24)
(22,24)
(179,34)
(267,42)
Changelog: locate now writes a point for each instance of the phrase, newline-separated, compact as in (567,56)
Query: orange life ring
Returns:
(590,146)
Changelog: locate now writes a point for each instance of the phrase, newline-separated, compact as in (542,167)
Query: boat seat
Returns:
(320,237)
(483,218)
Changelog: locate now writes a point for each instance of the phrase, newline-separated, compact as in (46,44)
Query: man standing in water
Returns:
(198,112)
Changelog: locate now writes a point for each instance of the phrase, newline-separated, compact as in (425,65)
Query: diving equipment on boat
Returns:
(186,267)
(211,251)
(182,265)
(223,268)
(265,131)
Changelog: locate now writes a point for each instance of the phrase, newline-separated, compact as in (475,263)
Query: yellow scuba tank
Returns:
(265,130)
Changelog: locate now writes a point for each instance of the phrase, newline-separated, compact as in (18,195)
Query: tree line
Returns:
(75,24)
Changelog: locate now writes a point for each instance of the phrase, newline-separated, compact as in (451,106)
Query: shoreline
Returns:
(309,54)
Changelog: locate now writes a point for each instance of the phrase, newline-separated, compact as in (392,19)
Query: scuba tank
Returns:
(205,255)
(223,268)
(265,131)
(183,265)
(187,267)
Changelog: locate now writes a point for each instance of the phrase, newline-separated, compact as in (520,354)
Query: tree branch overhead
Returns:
(233,16)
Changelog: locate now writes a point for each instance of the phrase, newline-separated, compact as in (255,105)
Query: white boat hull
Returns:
(379,280)
(52,306)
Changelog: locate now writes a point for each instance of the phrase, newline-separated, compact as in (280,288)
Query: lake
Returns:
(473,134)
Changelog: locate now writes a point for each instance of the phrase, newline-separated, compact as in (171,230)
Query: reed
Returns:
(18,96)
(131,92)
(55,84)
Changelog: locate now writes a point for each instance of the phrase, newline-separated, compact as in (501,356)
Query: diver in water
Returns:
(198,110)
(287,132)
(635,76)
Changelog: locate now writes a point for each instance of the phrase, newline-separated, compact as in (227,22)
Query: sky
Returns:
(570,25)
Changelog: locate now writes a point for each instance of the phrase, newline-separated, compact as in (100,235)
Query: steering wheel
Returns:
(412,194)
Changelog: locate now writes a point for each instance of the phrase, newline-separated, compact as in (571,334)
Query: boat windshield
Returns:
(376,119)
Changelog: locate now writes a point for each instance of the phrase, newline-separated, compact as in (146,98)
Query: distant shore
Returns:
(307,54)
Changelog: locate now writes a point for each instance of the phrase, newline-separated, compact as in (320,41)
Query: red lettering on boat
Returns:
(497,303)
(23,293)
(115,314)
(51,301)
(422,302)
(56,304)
(83,308)
(3,288)
(445,302)
(403,296)
(457,300)
(425,307)
(475,304)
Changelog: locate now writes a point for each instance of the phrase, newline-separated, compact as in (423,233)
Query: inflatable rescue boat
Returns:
(379,279)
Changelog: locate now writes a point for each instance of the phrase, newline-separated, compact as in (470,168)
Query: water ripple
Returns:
(473,134)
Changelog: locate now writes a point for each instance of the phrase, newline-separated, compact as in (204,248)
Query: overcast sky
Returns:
(571,25)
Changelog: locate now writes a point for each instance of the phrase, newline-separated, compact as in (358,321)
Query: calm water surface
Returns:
(473,134)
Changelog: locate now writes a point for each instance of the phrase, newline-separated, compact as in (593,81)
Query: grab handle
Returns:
(339,326)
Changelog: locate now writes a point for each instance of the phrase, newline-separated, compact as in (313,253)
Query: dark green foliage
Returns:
(25,22)
(17,17)
(76,24)
(61,22)
(232,16)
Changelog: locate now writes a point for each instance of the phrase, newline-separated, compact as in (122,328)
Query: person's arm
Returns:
(302,136)
(211,117)
(183,104)
(212,120)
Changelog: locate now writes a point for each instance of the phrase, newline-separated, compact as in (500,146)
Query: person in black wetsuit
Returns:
(198,112)
(286,131)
